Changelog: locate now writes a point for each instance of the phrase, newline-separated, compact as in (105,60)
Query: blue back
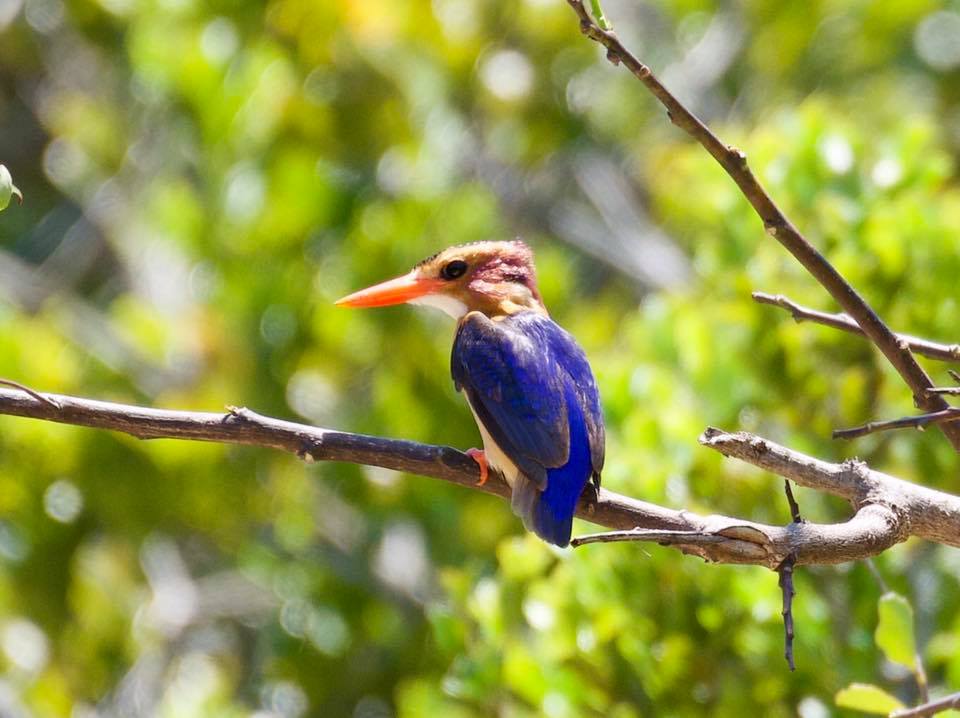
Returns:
(531,386)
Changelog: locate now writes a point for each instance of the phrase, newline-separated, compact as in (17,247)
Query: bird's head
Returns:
(496,278)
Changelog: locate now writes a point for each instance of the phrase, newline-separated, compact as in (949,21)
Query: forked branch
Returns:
(886,510)
(843,322)
(734,162)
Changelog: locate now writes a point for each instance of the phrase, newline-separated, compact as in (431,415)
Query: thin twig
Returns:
(843,322)
(949,389)
(877,576)
(886,510)
(920,675)
(26,389)
(734,162)
(785,571)
(920,421)
(792,502)
(664,538)
(928,709)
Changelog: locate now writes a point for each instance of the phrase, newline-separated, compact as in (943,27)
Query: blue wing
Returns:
(531,386)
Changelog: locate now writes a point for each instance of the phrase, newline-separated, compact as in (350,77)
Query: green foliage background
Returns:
(203,179)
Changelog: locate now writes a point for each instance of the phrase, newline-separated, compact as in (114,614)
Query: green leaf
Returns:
(599,16)
(867,698)
(7,189)
(894,632)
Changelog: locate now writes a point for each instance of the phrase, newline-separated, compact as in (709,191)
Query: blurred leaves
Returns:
(894,634)
(867,698)
(205,179)
(7,188)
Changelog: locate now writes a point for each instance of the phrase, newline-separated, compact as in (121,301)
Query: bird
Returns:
(526,380)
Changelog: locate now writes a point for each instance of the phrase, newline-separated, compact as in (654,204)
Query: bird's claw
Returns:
(481,458)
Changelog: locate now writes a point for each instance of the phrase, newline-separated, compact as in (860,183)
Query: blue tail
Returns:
(552,513)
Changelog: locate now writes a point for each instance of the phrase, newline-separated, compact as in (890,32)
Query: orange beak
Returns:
(393,291)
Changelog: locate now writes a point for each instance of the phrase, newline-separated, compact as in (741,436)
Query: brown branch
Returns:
(843,322)
(785,571)
(26,389)
(929,709)
(664,538)
(934,350)
(785,582)
(923,512)
(920,421)
(723,539)
(792,503)
(887,510)
(734,162)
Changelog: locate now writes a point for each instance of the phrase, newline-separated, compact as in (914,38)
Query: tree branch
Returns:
(919,421)
(843,322)
(887,510)
(934,350)
(785,571)
(734,162)
(929,709)
(924,512)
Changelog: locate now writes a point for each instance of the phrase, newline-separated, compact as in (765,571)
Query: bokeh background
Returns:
(202,179)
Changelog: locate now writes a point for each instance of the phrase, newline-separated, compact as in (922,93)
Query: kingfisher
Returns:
(525,379)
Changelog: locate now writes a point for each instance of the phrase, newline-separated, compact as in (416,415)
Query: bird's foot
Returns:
(481,459)
(590,496)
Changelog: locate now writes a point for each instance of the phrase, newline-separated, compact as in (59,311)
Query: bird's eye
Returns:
(454,269)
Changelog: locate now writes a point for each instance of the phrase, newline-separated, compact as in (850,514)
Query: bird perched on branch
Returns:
(526,379)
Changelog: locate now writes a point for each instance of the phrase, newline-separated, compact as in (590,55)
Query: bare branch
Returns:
(664,538)
(930,514)
(929,709)
(843,322)
(734,162)
(920,421)
(722,539)
(951,390)
(35,394)
(785,571)
(888,510)
(792,503)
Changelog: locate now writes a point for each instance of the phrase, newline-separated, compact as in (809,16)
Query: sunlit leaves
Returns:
(894,634)
(867,698)
(242,165)
(7,188)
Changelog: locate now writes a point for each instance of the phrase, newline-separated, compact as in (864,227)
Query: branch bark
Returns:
(843,322)
(887,510)
(928,709)
(919,421)
(734,162)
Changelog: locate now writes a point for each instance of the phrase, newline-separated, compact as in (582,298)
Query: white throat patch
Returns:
(454,307)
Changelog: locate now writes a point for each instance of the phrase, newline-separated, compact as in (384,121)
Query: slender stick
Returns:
(928,709)
(792,502)
(785,571)
(664,538)
(734,162)
(920,421)
(843,322)
(26,389)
